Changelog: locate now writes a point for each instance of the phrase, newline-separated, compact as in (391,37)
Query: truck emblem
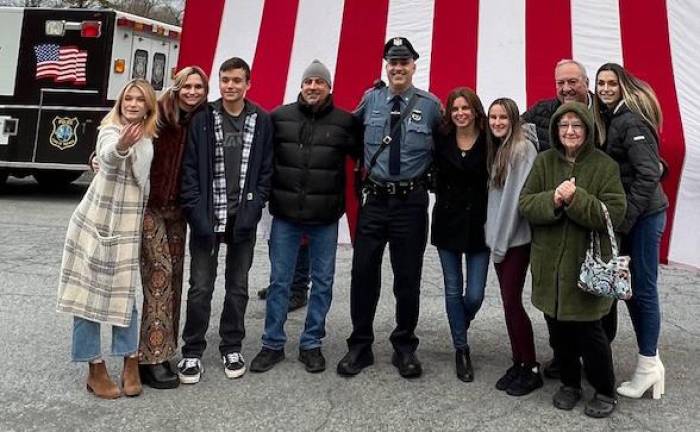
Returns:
(64,134)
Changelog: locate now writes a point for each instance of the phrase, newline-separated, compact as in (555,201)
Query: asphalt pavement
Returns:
(41,390)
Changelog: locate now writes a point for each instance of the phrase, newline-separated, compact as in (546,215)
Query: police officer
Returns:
(399,121)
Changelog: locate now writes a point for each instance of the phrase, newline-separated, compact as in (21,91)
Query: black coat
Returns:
(196,194)
(540,114)
(635,147)
(459,213)
(310,148)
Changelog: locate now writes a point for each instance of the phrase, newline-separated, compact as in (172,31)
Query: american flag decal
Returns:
(65,64)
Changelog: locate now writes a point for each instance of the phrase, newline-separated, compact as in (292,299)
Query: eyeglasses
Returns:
(577,127)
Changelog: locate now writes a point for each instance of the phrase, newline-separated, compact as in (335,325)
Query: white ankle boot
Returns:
(649,374)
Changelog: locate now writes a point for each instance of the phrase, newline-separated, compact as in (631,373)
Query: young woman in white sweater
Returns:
(511,153)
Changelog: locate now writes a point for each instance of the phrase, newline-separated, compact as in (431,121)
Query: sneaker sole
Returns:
(189,379)
(233,374)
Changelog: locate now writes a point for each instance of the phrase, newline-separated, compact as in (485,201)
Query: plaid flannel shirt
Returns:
(219,177)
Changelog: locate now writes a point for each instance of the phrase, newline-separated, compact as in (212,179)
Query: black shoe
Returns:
(297,301)
(600,406)
(506,380)
(527,381)
(234,365)
(190,370)
(407,363)
(552,369)
(566,398)
(159,376)
(266,359)
(463,366)
(262,294)
(313,360)
(354,361)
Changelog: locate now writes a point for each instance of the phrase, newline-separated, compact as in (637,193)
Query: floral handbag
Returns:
(611,279)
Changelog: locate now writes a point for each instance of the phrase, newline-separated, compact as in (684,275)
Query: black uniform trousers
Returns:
(572,340)
(401,221)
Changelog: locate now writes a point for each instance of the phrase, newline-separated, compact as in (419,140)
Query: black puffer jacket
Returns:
(308,181)
(634,146)
(539,115)
(459,214)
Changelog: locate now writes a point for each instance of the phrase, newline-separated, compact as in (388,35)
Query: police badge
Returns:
(64,134)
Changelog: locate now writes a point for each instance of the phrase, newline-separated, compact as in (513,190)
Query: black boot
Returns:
(158,376)
(463,365)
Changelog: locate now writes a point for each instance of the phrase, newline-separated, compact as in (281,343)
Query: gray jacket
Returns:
(505,227)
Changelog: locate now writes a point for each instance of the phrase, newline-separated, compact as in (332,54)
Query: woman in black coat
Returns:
(459,216)
(633,118)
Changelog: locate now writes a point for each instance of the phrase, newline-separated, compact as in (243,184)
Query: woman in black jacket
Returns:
(459,216)
(633,118)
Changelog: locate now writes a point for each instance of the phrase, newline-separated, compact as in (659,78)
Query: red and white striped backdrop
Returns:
(499,47)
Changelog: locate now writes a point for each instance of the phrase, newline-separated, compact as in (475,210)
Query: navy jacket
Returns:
(196,193)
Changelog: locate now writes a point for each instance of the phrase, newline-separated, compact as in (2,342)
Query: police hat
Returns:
(399,48)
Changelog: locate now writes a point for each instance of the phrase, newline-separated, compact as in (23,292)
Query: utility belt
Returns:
(400,188)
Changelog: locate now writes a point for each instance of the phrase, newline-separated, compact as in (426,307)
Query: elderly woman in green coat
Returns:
(562,201)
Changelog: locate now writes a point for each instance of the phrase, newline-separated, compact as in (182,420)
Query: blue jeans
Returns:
(463,302)
(285,237)
(86,339)
(642,243)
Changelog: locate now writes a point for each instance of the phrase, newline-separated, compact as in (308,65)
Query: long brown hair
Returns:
(114,116)
(474,102)
(501,151)
(171,113)
(637,94)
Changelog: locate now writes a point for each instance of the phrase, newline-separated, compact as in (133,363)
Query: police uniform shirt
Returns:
(416,131)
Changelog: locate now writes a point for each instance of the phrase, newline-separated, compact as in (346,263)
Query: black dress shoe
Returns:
(407,364)
(354,361)
(313,360)
(158,376)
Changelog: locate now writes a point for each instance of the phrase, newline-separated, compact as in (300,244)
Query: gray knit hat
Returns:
(317,69)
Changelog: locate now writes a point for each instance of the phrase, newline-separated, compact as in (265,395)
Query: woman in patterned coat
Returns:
(164,229)
(100,266)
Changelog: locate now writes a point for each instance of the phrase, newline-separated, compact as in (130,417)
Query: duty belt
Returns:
(401,187)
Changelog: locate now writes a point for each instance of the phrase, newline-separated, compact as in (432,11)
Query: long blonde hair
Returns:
(502,151)
(170,111)
(114,116)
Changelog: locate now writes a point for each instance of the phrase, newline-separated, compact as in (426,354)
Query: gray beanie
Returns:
(317,69)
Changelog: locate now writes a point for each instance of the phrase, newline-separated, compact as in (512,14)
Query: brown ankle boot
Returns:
(131,381)
(100,383)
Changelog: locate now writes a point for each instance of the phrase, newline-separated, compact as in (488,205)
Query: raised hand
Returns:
(130,135)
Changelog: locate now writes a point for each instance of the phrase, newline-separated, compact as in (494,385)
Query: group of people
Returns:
(518,190)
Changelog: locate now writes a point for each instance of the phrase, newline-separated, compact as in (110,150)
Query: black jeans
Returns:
(204,261)
(574,339)
(403,223)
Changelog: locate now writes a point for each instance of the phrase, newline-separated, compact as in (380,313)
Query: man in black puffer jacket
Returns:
(311,141)
(572,85)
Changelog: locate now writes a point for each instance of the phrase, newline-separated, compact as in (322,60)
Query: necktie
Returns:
(395,149)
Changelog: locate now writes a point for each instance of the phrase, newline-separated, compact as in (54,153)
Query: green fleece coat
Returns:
(560,236)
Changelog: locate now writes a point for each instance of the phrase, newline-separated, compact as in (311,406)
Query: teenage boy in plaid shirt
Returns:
(226,175)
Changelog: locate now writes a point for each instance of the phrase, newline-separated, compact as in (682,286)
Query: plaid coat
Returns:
(100,266)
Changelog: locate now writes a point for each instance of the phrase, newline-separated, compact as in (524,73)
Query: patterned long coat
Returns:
(100,266)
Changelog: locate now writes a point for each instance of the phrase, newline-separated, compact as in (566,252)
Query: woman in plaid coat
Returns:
(100,266)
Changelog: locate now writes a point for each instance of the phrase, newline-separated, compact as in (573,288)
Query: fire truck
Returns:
(60,72)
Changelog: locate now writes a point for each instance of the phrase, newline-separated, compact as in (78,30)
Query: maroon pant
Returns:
(511,276)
